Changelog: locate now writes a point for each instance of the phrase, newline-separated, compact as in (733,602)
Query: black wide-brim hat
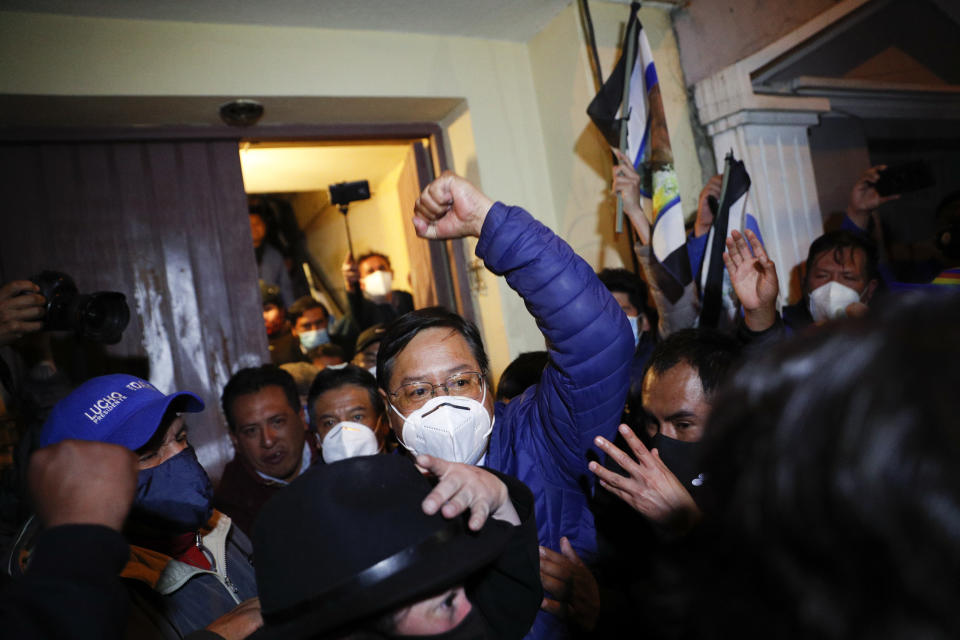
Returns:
(347,542)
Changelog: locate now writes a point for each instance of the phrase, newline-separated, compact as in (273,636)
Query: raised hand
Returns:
(704,212)
(754,279)
(351,272)
(864,198)
(21,310)
(450,207)
(465,487)
(649,486)
(626,182)
(575,590)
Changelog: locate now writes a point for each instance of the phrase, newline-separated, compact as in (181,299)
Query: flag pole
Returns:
(631,54)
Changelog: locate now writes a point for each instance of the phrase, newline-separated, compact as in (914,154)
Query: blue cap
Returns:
(119,409)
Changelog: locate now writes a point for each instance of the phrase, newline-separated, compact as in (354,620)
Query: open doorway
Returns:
(291,179)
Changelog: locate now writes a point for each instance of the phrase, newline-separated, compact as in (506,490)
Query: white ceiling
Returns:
(286,168)
(516,20)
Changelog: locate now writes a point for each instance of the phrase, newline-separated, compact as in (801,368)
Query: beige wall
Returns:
(577,155)
(523,134)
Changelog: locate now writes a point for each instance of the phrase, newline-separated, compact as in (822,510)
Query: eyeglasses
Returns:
(411,396)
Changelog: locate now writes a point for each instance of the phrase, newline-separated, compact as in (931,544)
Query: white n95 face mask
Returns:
(830,301)
(348,440)
(454,428)
(378,283)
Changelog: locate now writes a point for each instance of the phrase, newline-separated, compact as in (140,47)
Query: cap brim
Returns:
(441,567)
(140,426)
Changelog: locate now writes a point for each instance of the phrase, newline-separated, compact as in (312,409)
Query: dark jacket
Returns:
(168,599)
(509,592)
(242,492)
(171,599)
(364,313)
(545,436)
(72,588)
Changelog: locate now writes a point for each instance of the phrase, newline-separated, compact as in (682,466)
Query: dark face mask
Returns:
(173,497)
(682,458)
(472,627)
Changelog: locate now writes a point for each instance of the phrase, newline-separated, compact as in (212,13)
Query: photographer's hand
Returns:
(864,198)
(21,310)
(351,273)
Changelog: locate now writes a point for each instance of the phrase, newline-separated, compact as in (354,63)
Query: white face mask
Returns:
(378,284)
(453,428)
(348,440)
(311,339)
(830,301)
(635,327)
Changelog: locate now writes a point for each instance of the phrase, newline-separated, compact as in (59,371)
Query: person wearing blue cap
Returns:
(189,567)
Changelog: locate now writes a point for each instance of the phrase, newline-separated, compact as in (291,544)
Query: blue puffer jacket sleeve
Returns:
(543,437)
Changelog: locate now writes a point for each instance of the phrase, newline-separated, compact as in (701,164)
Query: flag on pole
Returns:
(719,305)
(648,146)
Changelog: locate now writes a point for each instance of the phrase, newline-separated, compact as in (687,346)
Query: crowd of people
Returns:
(794,476)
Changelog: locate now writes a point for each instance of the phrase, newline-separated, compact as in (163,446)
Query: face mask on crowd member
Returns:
(266,423)
(454,426)
(434,380)
(346,413)
(376,276)
(173,490)
(630,292)
(309,321)
(840,272)
(681,377)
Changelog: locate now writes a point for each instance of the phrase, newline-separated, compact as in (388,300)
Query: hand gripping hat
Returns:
(119,409)
(347,542)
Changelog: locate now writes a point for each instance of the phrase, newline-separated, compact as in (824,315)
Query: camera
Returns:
(347,192)
(905,178)
(100,316)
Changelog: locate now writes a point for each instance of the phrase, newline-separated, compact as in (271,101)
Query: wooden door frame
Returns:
(453,254)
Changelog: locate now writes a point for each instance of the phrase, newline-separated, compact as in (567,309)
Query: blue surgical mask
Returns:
(311,339)
(174,497)
(635,328)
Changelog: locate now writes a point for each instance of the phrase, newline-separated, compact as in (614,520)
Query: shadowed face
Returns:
(258,230)
(674,403)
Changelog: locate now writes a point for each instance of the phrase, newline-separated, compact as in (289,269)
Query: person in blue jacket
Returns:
(432,372)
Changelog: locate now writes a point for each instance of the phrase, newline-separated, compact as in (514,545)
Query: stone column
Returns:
(769,133)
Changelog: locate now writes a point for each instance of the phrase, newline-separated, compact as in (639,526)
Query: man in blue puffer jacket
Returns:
(432,371)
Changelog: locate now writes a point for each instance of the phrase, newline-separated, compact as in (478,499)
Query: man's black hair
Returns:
(252,380)
(524,372)
(402,330)
(712,353)
(839,242)
(330,379)
(623,281)
(832,461)
(302,305)
(373,254)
